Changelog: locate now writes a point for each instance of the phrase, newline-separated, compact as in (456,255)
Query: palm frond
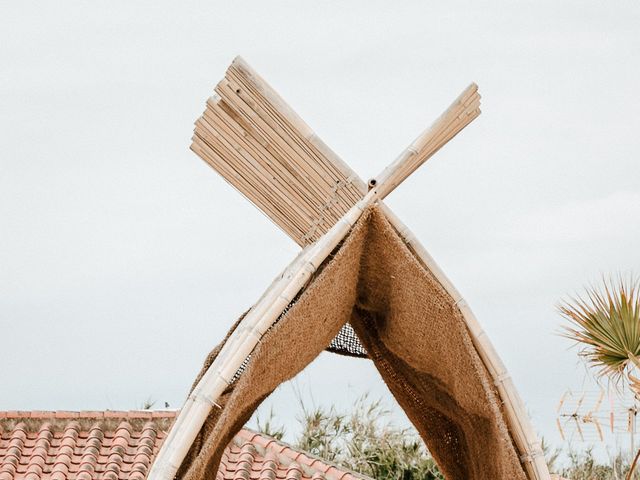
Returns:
(606,322)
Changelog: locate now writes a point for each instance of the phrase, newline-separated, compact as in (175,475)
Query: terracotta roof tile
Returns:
(112,445)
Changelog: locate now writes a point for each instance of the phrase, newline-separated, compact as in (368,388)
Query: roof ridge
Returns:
(98,414)
(285,449)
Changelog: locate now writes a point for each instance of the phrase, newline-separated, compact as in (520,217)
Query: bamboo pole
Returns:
(247,85)
(289,144)
(248,159)
(273,108)
(317,181)
(284,220)
(219,375)
(259,156)
(267,141)
(259,319)
(305,173)
(463,110)
(252,162)
(291,118)
(292,153)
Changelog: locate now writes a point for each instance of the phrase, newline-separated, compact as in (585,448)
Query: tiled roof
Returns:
(254,456)
(121,446)
(80,445)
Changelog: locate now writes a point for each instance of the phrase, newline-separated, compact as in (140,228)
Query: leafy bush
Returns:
(364,440)
(583,466)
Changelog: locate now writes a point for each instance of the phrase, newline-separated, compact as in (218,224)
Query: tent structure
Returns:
(362,285)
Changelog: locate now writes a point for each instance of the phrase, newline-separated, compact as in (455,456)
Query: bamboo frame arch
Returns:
(277,162)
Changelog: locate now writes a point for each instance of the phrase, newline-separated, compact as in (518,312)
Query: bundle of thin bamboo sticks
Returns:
(268,158)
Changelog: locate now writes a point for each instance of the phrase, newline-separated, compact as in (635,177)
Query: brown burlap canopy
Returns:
(411,330)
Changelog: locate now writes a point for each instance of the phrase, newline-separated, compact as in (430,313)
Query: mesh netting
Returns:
(241,370)
(347,343)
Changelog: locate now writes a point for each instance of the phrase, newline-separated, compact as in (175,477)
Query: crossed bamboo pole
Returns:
(284,289)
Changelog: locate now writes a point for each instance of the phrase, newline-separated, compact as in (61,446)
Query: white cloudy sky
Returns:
(124,258)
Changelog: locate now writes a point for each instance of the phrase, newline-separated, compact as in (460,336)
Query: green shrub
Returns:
(366,441)
(583,466)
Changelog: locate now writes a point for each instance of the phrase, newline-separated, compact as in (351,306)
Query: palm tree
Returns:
(606,324)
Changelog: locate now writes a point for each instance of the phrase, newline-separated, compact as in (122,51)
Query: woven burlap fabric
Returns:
(413,333)
(418,340)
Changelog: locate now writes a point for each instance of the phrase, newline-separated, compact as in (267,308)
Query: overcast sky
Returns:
(124,258)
